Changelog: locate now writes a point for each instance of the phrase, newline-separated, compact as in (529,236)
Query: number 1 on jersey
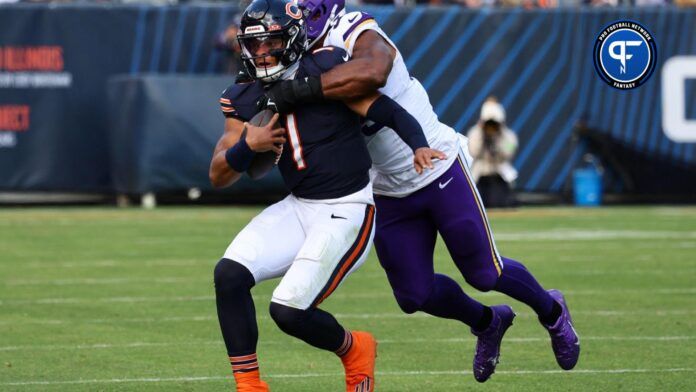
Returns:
(295,142)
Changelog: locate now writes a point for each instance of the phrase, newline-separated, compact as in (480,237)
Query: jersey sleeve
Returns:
(234,103)
(228,110)
(349,27)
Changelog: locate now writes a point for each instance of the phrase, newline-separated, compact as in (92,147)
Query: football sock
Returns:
(518,283)
(245,364)
(553,316)
(314,326)
(347,344)
(235,308)
(448,300)
(486,319)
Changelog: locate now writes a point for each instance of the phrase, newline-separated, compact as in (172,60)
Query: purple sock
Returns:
(518,283)
(448,300)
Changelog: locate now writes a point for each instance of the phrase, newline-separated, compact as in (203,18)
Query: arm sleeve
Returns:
(387,112)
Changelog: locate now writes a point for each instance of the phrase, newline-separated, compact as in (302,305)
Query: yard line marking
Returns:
(99,346)
(177,280)
(601,313)
(398,373)
(544,339)
(340,296)
(210,264)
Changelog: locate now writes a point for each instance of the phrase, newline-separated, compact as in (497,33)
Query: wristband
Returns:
(314,93)
(303,90)
(239,156)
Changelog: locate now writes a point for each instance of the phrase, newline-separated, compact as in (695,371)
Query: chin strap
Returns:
(270,74)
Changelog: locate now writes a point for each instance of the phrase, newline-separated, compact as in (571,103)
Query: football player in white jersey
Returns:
(413,207)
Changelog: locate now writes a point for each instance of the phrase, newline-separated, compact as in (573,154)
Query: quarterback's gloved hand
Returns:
(288,94)
(265,103)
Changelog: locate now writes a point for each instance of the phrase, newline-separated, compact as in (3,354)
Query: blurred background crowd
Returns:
(528,4)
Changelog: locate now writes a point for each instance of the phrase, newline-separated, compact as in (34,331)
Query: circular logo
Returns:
(625,54)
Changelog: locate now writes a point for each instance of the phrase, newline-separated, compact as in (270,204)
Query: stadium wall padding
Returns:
(160,141)
(539,64)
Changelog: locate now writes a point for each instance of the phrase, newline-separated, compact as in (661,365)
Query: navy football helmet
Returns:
(273,37)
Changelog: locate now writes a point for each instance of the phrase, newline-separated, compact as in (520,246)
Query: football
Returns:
(263,161)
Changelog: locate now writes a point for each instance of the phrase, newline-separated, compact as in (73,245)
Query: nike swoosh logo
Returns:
(351,20)
(442,186)
(337,217)
(346,57)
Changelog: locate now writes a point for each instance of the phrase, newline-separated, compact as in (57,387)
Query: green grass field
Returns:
(106,299)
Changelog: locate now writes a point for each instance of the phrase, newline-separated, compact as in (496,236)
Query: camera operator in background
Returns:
(492,145)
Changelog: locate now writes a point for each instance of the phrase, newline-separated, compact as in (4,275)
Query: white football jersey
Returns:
(392,160)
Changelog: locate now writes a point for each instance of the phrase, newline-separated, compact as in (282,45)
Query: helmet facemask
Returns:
(268,54)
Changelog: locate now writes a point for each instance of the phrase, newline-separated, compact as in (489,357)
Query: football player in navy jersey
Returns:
(323,230)
(415,207)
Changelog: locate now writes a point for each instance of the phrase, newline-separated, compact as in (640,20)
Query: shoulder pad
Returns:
(346,24)
(328,57)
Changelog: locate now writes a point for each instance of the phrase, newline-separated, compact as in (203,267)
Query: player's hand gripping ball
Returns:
(268,133)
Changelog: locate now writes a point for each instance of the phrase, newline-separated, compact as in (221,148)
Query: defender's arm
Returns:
(367,70)
(385,111)
(362,75)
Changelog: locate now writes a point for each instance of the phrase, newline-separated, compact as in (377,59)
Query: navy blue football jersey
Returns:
(325,156)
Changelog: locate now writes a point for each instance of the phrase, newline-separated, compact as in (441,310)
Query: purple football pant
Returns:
(405,241)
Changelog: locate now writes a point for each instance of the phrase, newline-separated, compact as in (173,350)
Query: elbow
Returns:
(374,76)
(378,77)
(216,180)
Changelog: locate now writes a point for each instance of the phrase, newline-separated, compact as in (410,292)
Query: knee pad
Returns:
(410,304)
(288,319)
(230,275)
(483,281)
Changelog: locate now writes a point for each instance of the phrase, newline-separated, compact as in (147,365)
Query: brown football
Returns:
(263,161)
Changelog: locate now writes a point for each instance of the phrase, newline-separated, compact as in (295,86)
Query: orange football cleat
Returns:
(250,382)
(359,363)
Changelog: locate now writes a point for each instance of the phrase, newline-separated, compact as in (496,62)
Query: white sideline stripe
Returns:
(279,342)
(210,264)
(592,235)
(602,313)
(96,281)
(80,300)
(120,263)
(342,296)
(382,373)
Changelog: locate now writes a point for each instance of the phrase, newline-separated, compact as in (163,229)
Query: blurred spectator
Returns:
(650,3)
(226,42)
(492,145)
(603,3)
